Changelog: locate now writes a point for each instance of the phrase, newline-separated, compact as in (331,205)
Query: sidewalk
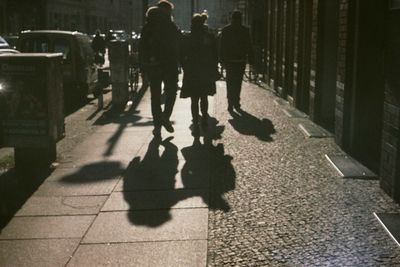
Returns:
(257,193)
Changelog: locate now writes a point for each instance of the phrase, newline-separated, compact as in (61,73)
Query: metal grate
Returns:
(349,167)
(391,223)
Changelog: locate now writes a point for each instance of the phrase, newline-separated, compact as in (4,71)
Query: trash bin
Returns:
(32,118)
(118,56)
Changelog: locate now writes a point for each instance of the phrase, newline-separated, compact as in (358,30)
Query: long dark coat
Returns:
(200,63)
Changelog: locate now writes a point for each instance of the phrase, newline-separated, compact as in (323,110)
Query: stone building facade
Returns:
(338,61)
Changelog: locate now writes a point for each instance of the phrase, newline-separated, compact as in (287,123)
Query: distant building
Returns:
(85,16)
(218,10)
(2,16)
(89,15)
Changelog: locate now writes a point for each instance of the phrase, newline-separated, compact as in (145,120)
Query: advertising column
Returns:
(118,57)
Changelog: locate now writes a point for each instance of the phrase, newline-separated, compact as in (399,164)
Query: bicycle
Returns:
(251,75)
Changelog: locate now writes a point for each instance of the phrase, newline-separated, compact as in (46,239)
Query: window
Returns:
(63,46)
(35,45)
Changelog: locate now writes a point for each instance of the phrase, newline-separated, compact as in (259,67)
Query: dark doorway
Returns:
(328,13)
(367,95)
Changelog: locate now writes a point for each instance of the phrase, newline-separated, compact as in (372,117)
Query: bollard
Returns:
(118,56)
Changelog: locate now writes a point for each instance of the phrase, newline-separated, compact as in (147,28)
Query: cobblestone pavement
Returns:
(283,204)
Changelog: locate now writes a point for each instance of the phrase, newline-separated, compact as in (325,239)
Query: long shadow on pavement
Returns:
(154,172)
(209,162)
(95,172)
(247,124)
(123,119)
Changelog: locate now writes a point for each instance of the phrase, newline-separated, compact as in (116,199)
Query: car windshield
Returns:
(3,43)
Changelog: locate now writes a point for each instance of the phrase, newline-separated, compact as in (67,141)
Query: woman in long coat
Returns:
(200,66)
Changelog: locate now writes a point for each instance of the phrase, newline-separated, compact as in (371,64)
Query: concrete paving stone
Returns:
(145,200)
(156,174)
(117,146)
(89,172)
(136,121)
(76,188)
(142,127)
(157,225)
(174,254)
(41,252)
(47,227)
(46,206)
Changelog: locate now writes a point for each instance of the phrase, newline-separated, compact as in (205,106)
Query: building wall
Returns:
(390,160)
(302,45)
(3,17)
(344,46)
(313,61)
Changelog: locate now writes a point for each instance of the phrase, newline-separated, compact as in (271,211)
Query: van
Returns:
(79,68)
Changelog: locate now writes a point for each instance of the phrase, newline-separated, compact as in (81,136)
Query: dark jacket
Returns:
(159,45)
(99,44)
(235,44)
(200,63)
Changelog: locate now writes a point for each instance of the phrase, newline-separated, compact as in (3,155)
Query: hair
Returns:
(237,16)
(197,22)
(153,14)
(165,4)
(204,16)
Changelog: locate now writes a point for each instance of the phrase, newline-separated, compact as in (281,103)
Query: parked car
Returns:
(120,35)
(8,51)
(11,40)
(3,43)
(79,68)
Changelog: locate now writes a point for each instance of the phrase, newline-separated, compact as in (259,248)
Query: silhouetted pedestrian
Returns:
(200,67)
(99,47)
(235,51)
(159,57)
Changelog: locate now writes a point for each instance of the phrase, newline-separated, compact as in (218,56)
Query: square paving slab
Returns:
(61,188)
(46,206)
(157,225)
(46,227)
(90,172)
(145,200)
(117,146)
(41,252)
(144,254)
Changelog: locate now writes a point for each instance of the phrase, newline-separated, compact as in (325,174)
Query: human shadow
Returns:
(207,167)
(247,124)
(149,184)
(95,172)
(212,132)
